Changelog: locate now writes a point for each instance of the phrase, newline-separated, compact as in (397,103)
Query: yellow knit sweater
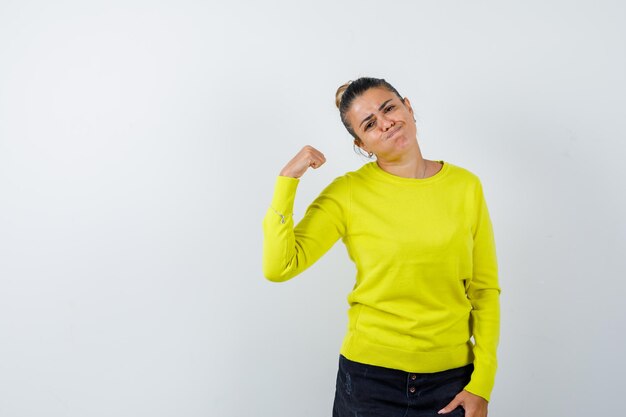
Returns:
(426,297)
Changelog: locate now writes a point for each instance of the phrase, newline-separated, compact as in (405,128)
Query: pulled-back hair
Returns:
(346,94)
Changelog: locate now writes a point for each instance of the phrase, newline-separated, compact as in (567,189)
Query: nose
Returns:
(385,122)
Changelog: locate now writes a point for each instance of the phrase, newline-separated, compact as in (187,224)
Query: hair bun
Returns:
(339,93)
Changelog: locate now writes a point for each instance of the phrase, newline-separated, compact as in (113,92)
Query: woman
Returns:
(424,312)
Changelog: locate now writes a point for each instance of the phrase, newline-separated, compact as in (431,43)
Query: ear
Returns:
(358,142)
(407,103)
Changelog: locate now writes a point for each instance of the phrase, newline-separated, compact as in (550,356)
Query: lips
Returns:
(393,132)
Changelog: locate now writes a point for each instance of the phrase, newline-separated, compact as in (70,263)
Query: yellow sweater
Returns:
(427,275)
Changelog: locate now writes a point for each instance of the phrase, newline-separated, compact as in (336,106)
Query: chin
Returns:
(402,140)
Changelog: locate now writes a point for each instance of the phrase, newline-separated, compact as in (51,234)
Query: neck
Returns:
(410,166)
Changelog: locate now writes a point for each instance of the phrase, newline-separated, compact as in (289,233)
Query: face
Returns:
(384,124)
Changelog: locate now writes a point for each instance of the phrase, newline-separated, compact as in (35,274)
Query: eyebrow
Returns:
(379,109)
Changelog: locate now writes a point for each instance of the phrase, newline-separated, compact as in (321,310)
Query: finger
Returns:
(451,406)
(318,159)
(316,163)
(315,153)
(309,151)
(473,411)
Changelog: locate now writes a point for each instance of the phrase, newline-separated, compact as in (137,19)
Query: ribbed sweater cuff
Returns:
(481,384)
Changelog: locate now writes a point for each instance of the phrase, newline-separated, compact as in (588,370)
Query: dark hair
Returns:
(346,94)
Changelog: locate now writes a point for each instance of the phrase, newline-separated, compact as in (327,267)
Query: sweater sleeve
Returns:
(483,292)
(287,251)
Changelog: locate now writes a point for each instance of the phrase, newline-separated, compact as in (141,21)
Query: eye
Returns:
(388,109)
(369,125)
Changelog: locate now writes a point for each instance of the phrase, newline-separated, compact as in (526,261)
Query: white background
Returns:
(139,144)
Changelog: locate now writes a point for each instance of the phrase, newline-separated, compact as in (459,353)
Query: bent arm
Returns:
(289,250)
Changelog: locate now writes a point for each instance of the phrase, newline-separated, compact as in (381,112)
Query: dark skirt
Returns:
(373,391)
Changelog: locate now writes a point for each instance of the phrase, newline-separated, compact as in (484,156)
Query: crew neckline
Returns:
(403,180)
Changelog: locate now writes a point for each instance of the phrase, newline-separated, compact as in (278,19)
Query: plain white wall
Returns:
(139,144)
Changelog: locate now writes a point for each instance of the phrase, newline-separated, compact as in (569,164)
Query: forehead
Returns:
(369,102)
